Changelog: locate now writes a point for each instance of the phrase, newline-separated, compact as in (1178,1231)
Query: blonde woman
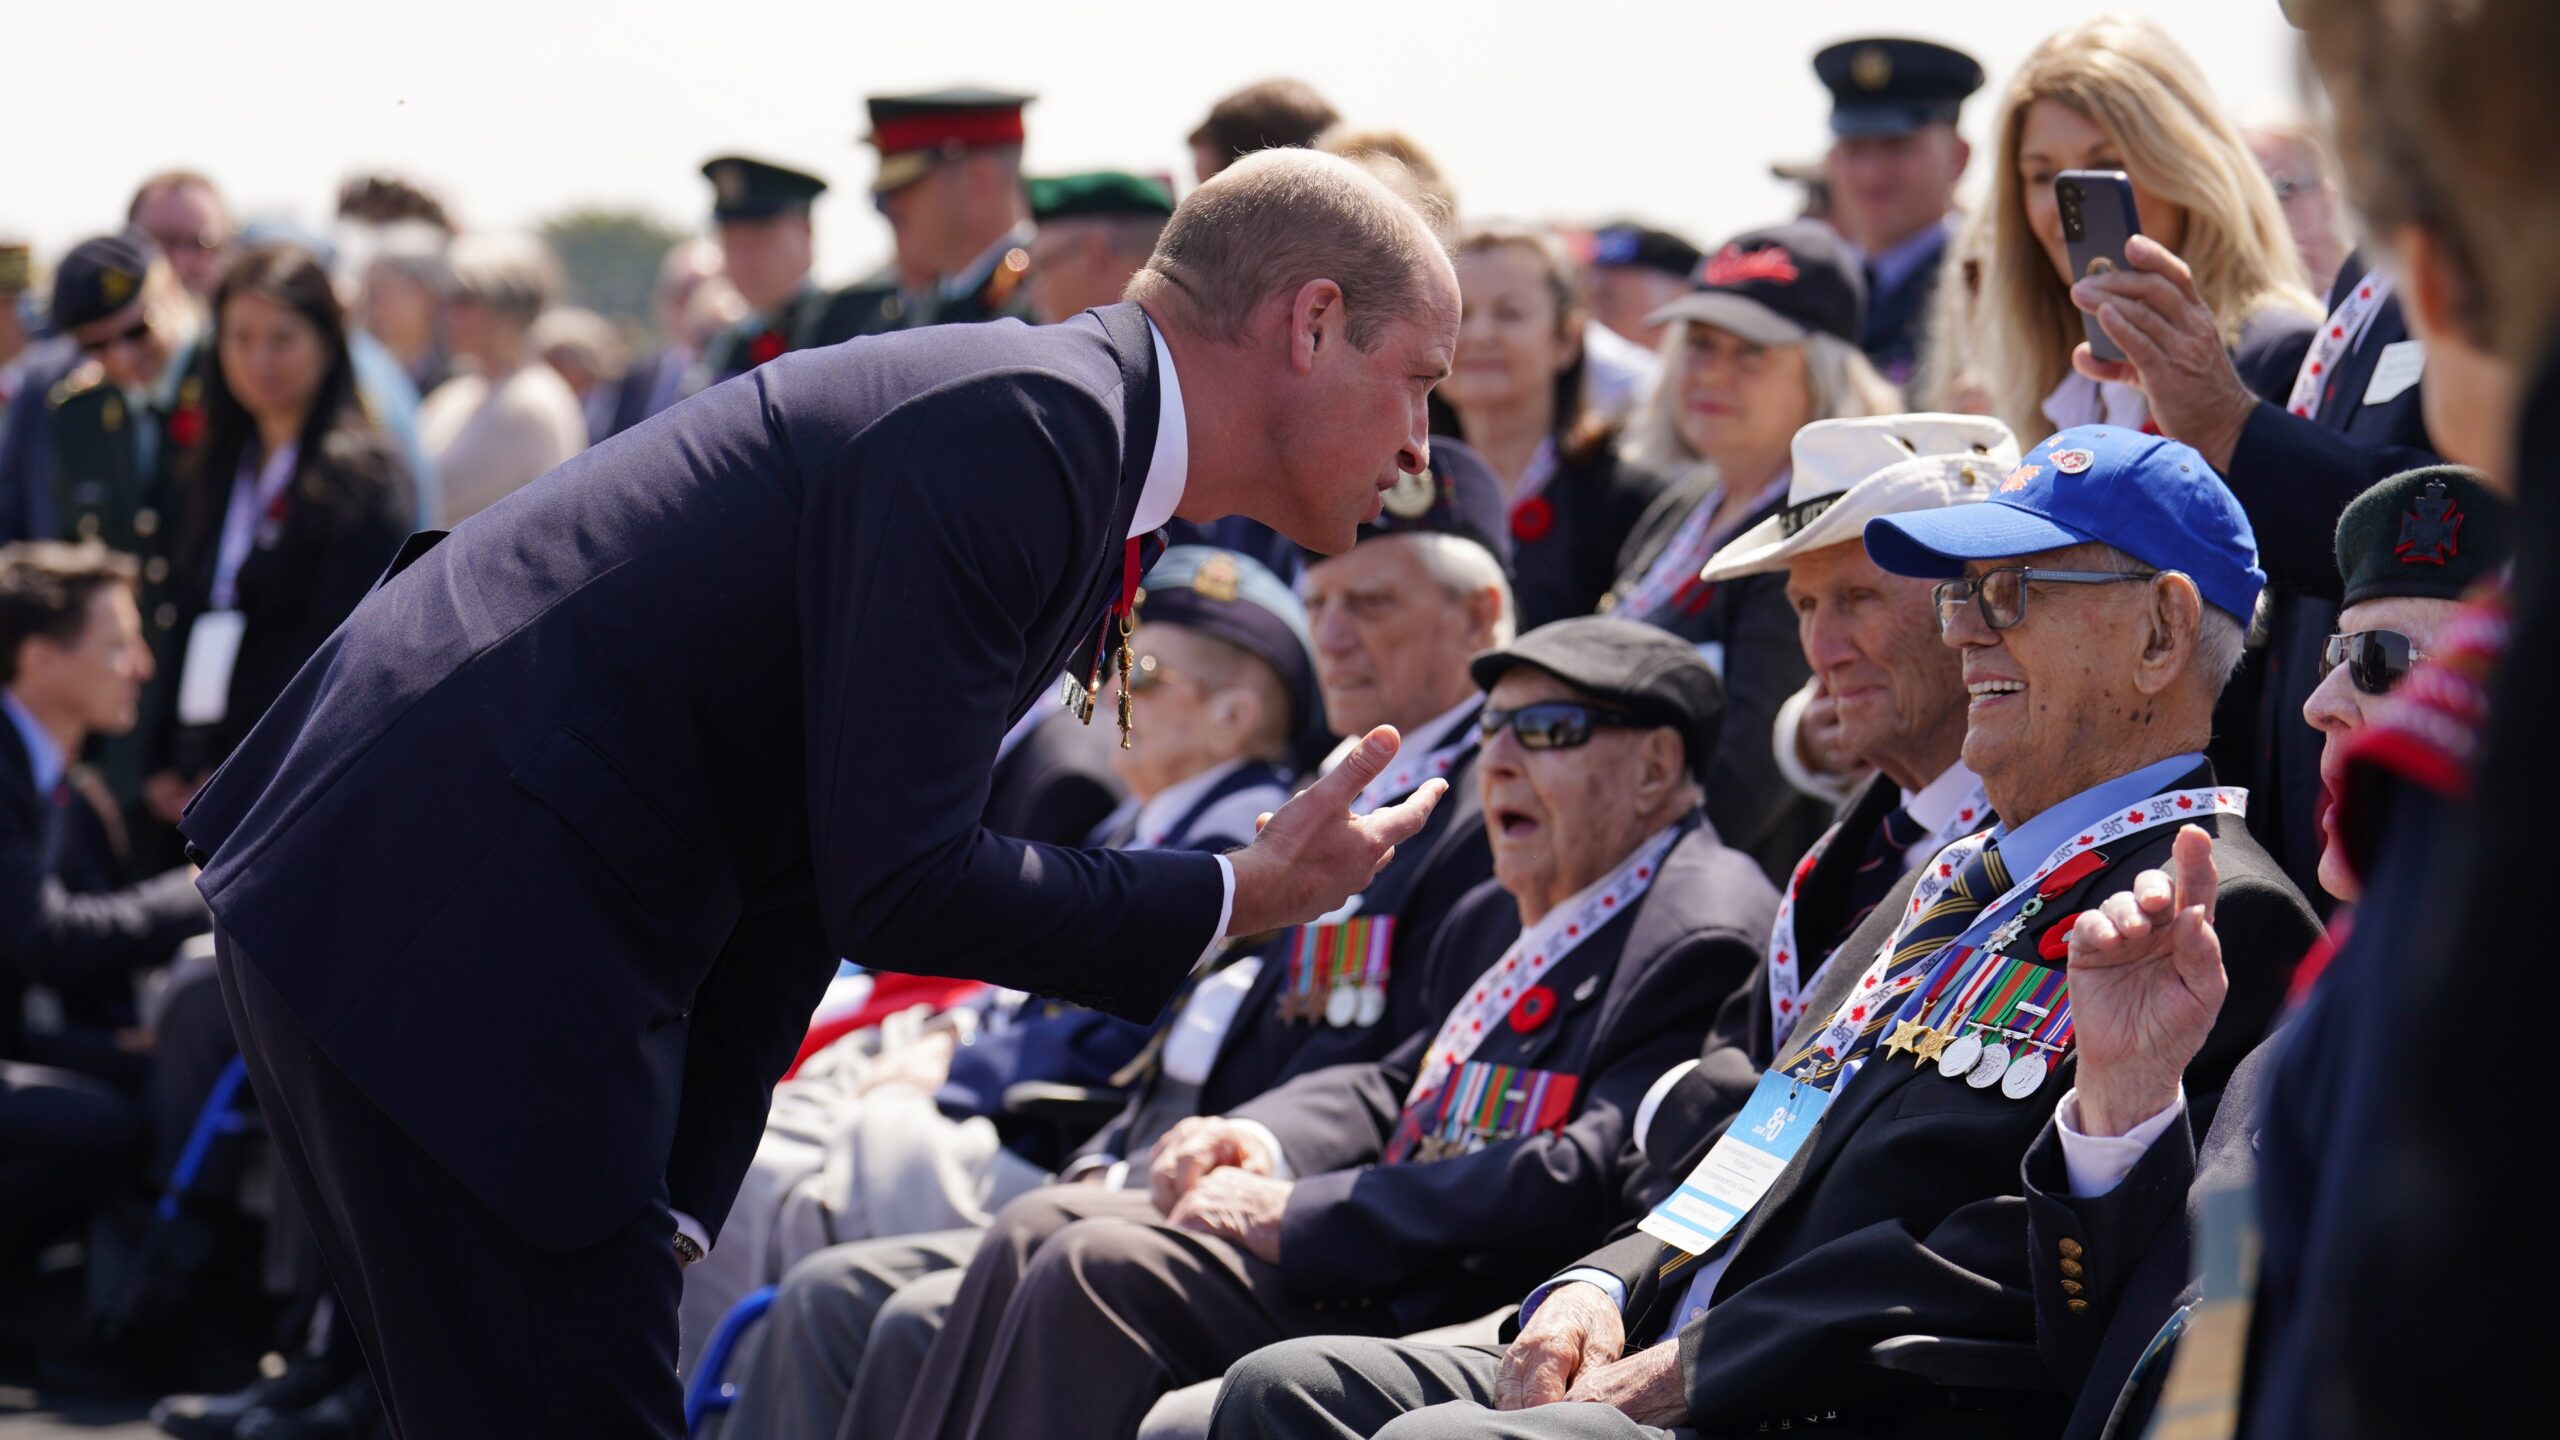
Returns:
(1515,393)
(2118,94)
(1766,344)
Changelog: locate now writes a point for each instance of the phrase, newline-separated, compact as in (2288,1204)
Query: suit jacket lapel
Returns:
(1141,397)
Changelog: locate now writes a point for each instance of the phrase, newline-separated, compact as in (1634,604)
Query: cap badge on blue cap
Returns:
(1411,496)
(2020,478)
(2430,534)
(2072,462)
(116,286)
(1734,265)
(1217,578)
(1871,68)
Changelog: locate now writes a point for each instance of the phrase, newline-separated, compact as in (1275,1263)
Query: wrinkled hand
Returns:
(1574,1331)
(2173,349)
(1646,1387)
(2146,984)
(1818,735)
(1313,854)
(1242,1206)
(1195,1147)
(923,1063)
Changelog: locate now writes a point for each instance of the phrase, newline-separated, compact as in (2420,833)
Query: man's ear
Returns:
(1660,764)
(2172,624)
(1315,323)
(1484,612)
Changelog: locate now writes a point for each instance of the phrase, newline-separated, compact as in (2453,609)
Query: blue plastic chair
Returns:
(220,1117)
(709,1393)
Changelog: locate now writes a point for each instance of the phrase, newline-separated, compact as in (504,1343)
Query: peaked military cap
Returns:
(99,277)
(747,189)
(1097,192)
(913,133)
(1885,86)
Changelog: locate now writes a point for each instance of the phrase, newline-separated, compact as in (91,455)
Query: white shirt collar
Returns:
(1169,470)
(1936,803)
(1156,818)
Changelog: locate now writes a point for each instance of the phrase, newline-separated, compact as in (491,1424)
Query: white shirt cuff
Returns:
(1609,1284)
(1226,904)
(1086,1165)
(1260,1134)
(2097,1164)
(1653,1099)
(691,1229)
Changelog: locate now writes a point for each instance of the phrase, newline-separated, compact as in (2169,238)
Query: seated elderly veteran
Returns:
(1395,620)
(1422,1189)
(1871,640)
(868,1140)
(2119,1190)
(1869,1188)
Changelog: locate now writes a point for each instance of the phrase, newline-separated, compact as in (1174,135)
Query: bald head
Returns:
(1272,222)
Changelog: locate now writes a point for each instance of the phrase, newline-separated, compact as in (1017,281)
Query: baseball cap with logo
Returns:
(1775,287)
(1848,471)
(2148,496)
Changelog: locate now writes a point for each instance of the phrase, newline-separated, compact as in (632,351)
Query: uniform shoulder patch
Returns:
(83,378)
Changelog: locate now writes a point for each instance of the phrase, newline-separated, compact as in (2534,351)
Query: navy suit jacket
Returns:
(554,844)
(1437,1241)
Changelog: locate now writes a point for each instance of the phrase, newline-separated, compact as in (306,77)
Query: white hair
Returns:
(2222,639)
(1463,567)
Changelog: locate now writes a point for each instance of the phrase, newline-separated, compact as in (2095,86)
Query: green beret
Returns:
(2430,532)
(1098,192)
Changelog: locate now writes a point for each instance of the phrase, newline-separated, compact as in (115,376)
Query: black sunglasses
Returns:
(1554,724)
(2376,660)
(134,334)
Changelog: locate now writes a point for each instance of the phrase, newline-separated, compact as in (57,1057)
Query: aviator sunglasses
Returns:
(2376,660)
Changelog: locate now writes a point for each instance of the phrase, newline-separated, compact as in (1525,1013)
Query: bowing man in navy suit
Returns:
(526,885)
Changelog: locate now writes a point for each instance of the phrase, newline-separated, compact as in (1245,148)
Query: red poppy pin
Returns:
(1537,1006)
(764,347)
(2055,943)
(186,426)
(1532,518)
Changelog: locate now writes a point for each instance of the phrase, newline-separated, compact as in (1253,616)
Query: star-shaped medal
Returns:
(1903,1030)
(1931,1044)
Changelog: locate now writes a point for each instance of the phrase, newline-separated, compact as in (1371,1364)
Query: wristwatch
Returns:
(687,1252)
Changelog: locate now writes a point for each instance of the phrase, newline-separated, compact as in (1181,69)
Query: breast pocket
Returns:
(574,781)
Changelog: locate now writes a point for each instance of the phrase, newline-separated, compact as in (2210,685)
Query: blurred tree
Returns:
(610,258)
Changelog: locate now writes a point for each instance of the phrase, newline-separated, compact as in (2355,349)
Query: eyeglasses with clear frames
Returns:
(2001,595)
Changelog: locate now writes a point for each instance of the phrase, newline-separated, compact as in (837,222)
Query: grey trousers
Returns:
(870,1307)
(1342,1387)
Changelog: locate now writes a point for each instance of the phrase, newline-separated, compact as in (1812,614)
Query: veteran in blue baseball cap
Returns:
(2100,598)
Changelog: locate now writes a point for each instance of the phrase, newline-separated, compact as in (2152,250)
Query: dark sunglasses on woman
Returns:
(1554,724)
(2376,660)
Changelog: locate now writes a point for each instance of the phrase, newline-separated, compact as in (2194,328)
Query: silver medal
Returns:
(1995,1060)
(1343,1005)
(1958,1058)
(2024,1076)
(1373,1005)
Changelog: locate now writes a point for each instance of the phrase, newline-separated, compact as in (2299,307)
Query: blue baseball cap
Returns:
(2150,497)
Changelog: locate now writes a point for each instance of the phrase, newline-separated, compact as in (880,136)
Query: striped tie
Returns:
(1982,880)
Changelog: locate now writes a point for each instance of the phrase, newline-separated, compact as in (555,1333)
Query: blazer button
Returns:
(2071,1268)
(2072,1287)
(146,523)
(2069,1247)
(2075,1306)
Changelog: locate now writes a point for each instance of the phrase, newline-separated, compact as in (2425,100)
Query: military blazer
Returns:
(656,739)
(1438,1240)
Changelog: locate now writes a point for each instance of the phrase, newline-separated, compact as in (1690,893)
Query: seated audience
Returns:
(1764,344)
(2120,1182)
(1752,1294)
(505,418)
(1419,1189)
(295,503)
(1515,395)
(73,662)
(872,1138)
(1395,620)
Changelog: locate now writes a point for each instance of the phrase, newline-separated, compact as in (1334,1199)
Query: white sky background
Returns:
(518,109)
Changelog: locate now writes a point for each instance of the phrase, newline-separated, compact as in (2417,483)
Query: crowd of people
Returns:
(1963,855)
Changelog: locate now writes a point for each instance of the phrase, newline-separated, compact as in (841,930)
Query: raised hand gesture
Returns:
(2146,984)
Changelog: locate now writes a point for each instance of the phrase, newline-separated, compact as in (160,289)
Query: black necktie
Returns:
(1879,867)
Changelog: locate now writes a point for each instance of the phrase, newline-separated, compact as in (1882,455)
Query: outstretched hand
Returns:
(2146,984)
(2173,349)
(1313,854)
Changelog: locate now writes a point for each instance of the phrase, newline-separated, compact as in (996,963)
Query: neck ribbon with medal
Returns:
(1337,965)
(1787,975)
(1112,648)
(1443,1117)
(1971,991)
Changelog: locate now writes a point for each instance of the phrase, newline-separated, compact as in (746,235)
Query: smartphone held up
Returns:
(2097,220)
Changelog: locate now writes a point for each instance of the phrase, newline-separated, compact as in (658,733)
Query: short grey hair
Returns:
(1463,567)
(2222,639)
(1277,219)
(1845,385)
(513,274)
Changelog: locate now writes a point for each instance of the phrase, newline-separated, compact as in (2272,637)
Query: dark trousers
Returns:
(64,1141)
(470,1330)
(1082,1302)
(1339,1387)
